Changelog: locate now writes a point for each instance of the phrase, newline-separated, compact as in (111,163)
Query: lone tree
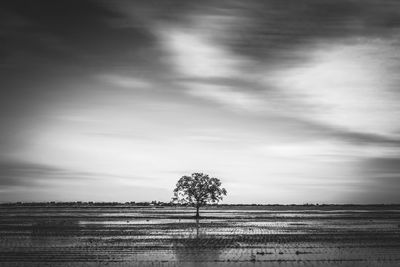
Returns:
(198,190)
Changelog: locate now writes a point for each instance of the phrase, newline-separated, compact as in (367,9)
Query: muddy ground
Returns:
(126,235)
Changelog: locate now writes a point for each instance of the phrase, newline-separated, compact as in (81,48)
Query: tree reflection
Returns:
(54,232)
(198,246)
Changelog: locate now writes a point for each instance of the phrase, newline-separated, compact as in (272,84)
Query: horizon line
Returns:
(161,203)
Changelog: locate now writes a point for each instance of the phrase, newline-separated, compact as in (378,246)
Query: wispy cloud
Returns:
(224,95)
(195,55)
(20,173)
(125,81)
(345,85)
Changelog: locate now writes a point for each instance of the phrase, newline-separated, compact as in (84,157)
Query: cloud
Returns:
(316,129)
(50,37)
(224,95)
(274,30)
(33,174)
(344,85)
(195,48)
(125,81)
(195,56)
(17,173)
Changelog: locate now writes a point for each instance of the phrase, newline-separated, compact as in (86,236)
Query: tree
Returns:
(198,190)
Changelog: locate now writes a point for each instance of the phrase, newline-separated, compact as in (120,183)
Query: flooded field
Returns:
(125,235)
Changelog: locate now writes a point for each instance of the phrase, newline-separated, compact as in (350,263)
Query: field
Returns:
(127,235)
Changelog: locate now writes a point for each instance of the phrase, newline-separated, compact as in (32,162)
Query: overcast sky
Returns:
(284,101)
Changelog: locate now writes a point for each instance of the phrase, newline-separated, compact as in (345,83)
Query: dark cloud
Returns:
(96,33)
(341,134)
(314,130)
(67,32)
(277,27)
(15,173)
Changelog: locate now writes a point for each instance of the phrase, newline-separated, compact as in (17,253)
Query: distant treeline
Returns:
(169,204)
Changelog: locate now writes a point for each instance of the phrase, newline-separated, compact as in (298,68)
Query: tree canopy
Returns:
(198,190)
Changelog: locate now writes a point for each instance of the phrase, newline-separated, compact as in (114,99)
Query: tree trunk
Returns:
(197,212)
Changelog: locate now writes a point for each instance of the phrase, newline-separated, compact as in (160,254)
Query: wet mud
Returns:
(225,236)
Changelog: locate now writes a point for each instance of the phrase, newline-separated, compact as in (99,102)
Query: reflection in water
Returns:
(54,232)
(196,248)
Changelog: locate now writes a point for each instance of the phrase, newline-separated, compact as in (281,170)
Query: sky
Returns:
(285,101)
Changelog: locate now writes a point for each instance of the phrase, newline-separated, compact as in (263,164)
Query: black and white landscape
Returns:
(141,132)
